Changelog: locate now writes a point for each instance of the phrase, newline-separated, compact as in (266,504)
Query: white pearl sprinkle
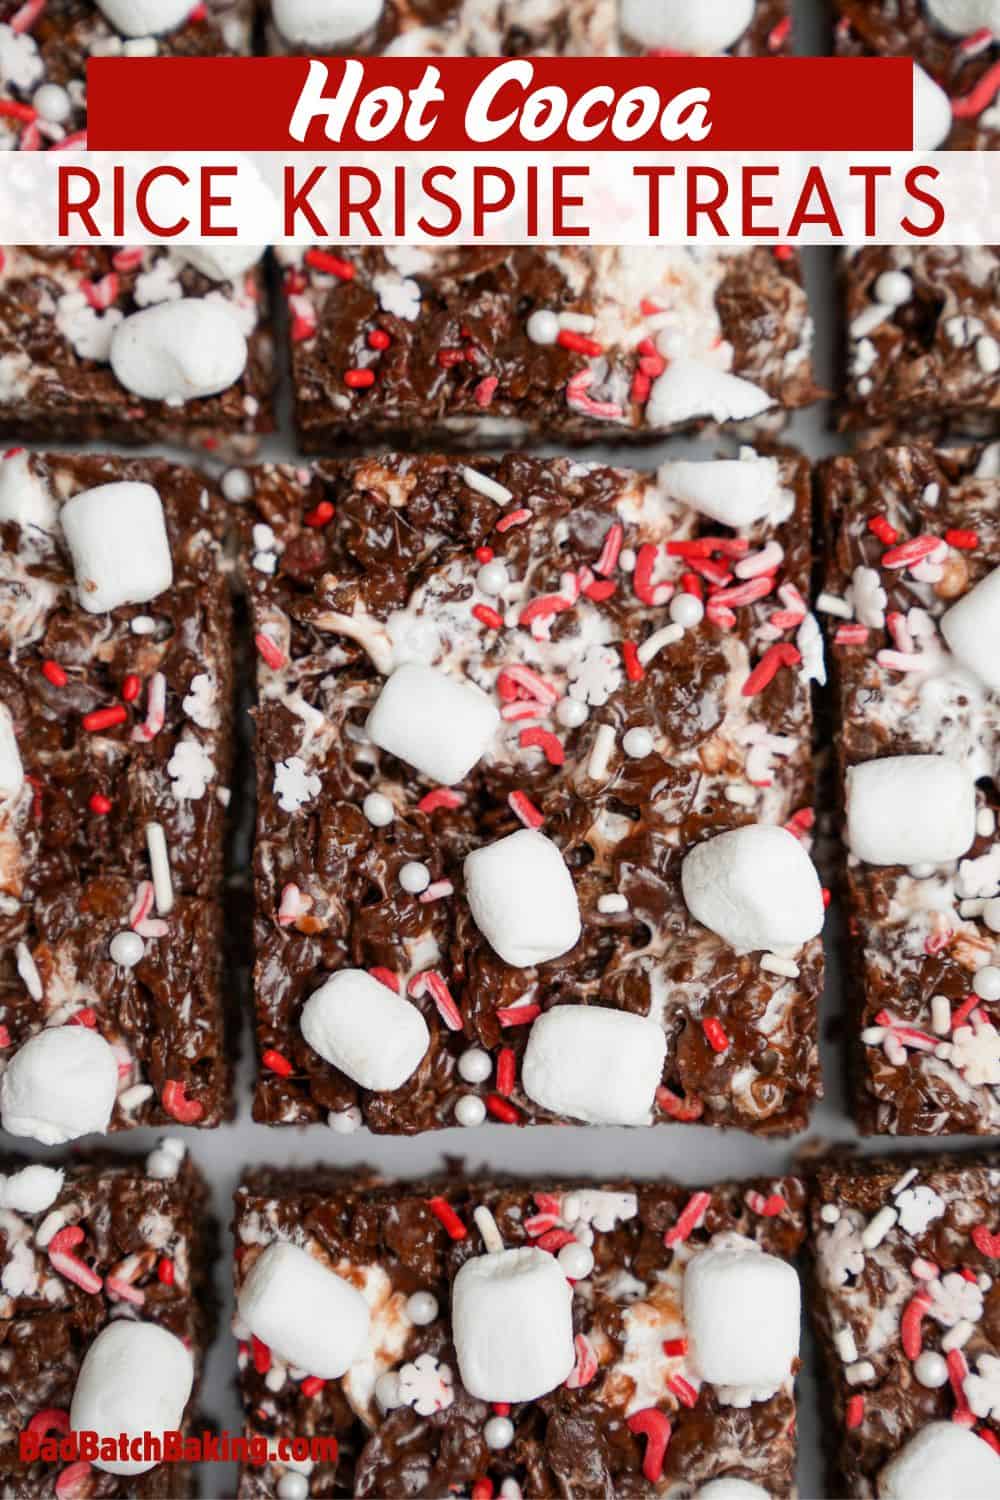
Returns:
(293,1486)
(344,1121)
(470,1111)
(571,713)
(988,355)
(492,578)
(126,949)
(627,560)
(378,810)
(236,486)
(576,1261)
(991,914)
(543,326)
(686,610)
(52,103)
(638,743)
(613,904)
(414,877)
(987,983)
(499,1432)
(475,1065)
(387,1390)
(893,288)
(422,1308)
(143,625)
(930,1369)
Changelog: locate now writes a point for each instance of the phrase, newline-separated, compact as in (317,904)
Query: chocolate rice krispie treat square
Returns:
(497,1338)
(506,711)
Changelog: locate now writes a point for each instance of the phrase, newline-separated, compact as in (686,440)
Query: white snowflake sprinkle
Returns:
(953,1299)
(200,705)
(595,677)
(158,284)
(810,643)
(975,1052)
(868,597)
(982,1390)
(426,1386)
(294,786)
(191,768)
(20,62)
(917,1207)
(841,1253)
(398,295)
(88,330)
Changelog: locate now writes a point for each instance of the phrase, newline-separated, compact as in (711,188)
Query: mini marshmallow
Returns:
(117,538)
(932,117)
(512,1323)
(734,491)
(60,1085)
(221,262)
(32,1190)
(594,1064)
(910,810)
(731,1489)
(972,628)
(688,391)
(756,888)
(24,496)
(307,1314)
(135,1378)
(942,1459)
(741,1309)
(434,722)
(11,768)
(177,351)
(688,26)
(965,17)
(145,17)
(365,1029)
(523,899)
(318,23)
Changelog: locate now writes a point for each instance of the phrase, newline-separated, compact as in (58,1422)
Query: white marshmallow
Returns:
(366,1030)
(11,768)
(307,1314)
(117,538)
(688,26)
(32,1190)
(742,1311)
(932,118)
(179,350)
(734,491)
(594,1064)
(688,391)
(910,810)
(145,17)
(942,1459)
(965,17)
(731,1489)
(318,23)
(756,888)
(972,629)
(523,899)
(222,262)
(433,722)
(24,497)
(135,1378)
(61,1084)
(512,1323)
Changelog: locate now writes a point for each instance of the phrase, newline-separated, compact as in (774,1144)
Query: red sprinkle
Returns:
(484,554)
(634,669)
(675,1348)
(958,1369)
(962,541)
(312,1385)
(880,527)
(359,380)
(523,808)
(105,718)
(518,1015)
(100,804)
(654,1426)
(442,797)
(982,94)
(165,1271)
(49,1419)
(855,1412)
(74,1482)
(176,1103)
(677,1108)
(55,674)
(715,1035)
(600,590)
(911,552)
(690,1217)
(485,390)
(487,616)
(482,1489)
(986,1243)
(781,654)
(768,1207)
(378,338)
(276,1062)
(332,265)
(386,977)
(501,1109)
(578,343)
(513,518)
(321,515)
(610,552)
(131,687)
(448,1218)
(544,739)
(851,635)
(910,1324)
(261,1355)
(63,1258)
(506,1072)
(272,654)
(586,1364)
(683,1390)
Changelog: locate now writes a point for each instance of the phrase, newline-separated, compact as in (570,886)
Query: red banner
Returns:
(472,104)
